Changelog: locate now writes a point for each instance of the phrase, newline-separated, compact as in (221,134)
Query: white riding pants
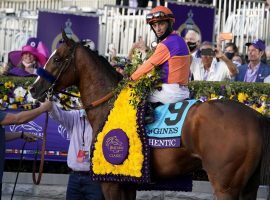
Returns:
(170,93)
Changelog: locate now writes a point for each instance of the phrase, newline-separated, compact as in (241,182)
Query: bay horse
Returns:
(228,139)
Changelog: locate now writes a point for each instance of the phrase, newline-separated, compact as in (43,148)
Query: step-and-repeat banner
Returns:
(56,145)
(198,17)
(78,27)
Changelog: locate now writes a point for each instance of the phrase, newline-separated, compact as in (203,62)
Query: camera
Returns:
(207,52)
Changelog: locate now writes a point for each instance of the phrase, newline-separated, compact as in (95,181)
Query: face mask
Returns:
(237,63)
(229,55)
(192,46)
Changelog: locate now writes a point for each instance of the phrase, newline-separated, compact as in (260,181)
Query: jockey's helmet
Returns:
(159,13)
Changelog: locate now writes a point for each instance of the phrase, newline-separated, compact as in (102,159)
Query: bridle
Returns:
(67,61)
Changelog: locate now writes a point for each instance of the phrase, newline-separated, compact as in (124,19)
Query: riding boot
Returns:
(149,114)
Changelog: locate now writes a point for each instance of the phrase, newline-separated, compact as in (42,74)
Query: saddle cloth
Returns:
(165,132)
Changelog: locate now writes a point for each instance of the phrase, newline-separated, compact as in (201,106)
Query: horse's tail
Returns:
(265,159)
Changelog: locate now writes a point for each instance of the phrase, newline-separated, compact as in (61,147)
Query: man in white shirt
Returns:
(212,65)
(80,186)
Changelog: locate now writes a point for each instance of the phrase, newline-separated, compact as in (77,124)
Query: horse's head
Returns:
(59,71)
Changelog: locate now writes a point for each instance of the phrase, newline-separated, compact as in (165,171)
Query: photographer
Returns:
(212,65)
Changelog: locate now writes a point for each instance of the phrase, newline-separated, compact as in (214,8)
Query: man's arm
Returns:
(65,118)
(231,66)
(24,116)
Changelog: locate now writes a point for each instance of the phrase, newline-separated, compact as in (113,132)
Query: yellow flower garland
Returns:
(123,116)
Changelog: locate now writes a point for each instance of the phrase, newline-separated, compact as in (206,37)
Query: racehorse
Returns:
(227,138)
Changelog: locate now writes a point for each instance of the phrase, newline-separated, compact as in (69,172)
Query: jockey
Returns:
(171,55)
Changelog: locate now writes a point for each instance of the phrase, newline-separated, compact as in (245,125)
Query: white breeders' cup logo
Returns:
(63,132)
(30,127)
(34,128)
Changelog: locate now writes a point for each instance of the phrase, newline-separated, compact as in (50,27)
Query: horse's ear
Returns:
(67,40)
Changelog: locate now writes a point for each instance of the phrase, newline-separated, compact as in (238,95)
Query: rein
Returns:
(89,107)
(99,101)
(36,181)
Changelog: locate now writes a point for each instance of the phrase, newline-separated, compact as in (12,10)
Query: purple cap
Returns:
(258,44)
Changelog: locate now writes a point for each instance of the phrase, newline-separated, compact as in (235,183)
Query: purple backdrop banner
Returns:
(194,16)
(78,27)
(56,145)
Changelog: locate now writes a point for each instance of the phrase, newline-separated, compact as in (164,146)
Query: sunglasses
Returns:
(158,14)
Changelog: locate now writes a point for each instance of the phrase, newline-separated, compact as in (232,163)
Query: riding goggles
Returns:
(158,15)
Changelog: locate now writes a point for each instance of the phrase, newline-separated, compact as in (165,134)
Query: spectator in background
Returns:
(255,70)
(25,62)
(212,65)
(237,60)
(139,45)
(80,186)
(18,118)
(230,50)
(193,40)
(119,62)
(267,53)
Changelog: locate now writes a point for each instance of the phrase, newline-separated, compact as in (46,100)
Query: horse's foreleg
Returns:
(117,191)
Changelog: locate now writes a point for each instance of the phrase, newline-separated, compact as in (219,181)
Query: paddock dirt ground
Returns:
(53,186)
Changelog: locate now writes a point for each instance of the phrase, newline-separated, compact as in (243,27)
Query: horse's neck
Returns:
(94,84)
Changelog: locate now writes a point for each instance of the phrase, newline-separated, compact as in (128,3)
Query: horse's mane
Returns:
(106,67)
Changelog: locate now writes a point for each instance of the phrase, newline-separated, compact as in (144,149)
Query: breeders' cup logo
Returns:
(30,127)
(69,32)
(63,132)
(115,146)
(189,24)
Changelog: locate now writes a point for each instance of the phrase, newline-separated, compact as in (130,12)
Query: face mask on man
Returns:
(229,55)
(192,46)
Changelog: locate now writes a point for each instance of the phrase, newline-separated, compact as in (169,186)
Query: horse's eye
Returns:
(56,60)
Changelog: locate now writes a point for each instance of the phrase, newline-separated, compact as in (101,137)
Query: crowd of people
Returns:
(213,61)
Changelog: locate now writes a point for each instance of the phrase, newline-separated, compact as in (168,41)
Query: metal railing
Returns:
(30,5)
(246,19)
(35,5)
(123,26)
(84,4)
(14,32)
